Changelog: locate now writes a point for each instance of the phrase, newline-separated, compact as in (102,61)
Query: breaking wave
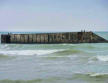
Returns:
(28,52)
(68,52)
(102,58)
(91,75)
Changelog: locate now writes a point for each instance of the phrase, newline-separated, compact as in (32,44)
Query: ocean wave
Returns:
(39,80)
(69,51)
(28,52)
(102,58)
(98,74)
(65,53)
(92,74)
(99,58)
(21,81)
(91,77)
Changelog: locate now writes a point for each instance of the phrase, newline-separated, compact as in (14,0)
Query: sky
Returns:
(53,15)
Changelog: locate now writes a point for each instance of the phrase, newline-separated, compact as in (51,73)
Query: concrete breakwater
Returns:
(53,38)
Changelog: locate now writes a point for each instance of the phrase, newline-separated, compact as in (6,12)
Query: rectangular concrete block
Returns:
(42,38)
(12,38)
(15,38)
(34,38)
(50,38)
(26,36)
(30,38)
(58,37)
(3,38)
(22,38)
(18,38)
(46,38)
(63,38)
(38,38)
(53,38)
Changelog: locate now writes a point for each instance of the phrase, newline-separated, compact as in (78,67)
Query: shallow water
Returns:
(54,63)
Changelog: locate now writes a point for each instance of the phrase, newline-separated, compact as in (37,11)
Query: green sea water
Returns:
(54,63)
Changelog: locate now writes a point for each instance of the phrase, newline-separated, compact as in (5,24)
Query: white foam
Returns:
(97,74)
(102,58)
(93,74)
(28,52)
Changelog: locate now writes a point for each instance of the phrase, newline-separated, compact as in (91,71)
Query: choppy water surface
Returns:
(54,63)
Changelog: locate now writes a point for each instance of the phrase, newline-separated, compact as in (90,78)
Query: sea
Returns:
(54,63)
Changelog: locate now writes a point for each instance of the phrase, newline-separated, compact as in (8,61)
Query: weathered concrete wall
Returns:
(68,37)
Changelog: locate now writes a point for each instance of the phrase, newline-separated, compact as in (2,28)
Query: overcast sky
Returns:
(53,15)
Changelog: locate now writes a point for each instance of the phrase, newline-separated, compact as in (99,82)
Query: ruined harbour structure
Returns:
(52,38)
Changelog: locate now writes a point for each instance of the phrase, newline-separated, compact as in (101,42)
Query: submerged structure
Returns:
(52,38)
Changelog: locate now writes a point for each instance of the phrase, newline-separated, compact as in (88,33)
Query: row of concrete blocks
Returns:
(70,37)
(40,38)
